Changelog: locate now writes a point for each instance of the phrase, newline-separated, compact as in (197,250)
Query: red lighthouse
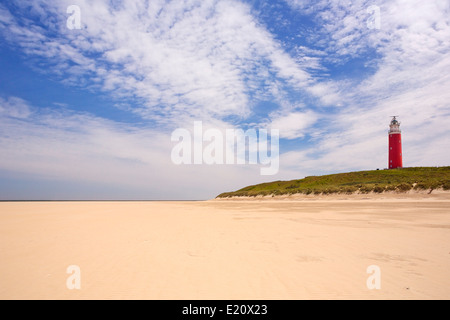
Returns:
(395,145)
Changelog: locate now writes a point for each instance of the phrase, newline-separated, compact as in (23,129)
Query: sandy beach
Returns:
(317,249)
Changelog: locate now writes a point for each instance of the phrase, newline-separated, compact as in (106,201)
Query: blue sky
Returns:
(88,113)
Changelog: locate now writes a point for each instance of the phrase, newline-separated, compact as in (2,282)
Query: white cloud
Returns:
(15,107)
(295,124)
(328,93)
(191,58)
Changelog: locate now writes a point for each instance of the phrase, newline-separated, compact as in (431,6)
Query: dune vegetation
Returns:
(378,181)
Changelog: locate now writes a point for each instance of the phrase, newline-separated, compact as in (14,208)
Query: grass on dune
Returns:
(399,180)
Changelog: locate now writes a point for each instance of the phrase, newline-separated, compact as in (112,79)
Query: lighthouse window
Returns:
(391,148)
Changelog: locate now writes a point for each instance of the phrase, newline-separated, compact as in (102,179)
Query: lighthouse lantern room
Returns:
(395,145)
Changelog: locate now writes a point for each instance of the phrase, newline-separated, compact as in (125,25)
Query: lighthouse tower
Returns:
(395,145)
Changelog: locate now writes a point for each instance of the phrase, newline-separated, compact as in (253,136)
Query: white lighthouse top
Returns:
(394,127)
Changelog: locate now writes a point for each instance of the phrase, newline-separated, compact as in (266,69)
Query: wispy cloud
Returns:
(15,108)
(294,124)
(204,59)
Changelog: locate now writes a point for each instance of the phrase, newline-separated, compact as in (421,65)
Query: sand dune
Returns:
(226,249)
